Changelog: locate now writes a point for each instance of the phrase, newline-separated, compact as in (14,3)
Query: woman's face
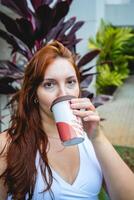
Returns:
(60,79)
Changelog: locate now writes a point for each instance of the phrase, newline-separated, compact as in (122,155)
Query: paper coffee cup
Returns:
(69,126)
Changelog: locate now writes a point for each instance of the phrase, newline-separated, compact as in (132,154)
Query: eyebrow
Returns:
(52,79)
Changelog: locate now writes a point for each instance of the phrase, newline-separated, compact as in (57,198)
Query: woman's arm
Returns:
(3,142)
(118,177)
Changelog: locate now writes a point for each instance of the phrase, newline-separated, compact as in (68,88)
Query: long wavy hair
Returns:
(26,132)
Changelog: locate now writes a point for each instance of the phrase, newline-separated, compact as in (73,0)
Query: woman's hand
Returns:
(113,167)
(83,108)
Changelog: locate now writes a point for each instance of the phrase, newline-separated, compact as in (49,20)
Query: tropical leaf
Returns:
(66,26)
(6,86)
(10,69)
(20,28)
(88,57)
(16,44)
(87,93)
(20,7)
(86,80)
(88,73)
(87,70)
(73,44)
(60,10)
(76,27)
(44,21)
(53,33)
(108,78)
(37,3)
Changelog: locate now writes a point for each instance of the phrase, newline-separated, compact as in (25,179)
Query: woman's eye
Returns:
(71,82)
(48,85)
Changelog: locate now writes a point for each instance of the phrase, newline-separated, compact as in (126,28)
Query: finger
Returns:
(83,113)
(83,103)
(94,118)
(78,100)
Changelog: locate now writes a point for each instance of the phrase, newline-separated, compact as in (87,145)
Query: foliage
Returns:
(111,41)
(103,195)
(109,79)
(127,154)
(129,50)
(129,46)
(35,28)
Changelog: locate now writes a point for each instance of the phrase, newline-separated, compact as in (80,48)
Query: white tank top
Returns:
(86,186)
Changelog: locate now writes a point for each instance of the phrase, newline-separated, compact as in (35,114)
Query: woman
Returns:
(33,162)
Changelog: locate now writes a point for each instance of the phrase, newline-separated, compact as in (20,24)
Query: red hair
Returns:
(27,135)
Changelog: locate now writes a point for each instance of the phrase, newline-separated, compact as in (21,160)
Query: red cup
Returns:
(69,126)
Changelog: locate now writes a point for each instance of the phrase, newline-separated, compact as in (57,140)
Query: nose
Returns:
(62,91)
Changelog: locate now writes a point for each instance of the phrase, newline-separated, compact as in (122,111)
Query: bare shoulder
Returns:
(4,141)
(4,144)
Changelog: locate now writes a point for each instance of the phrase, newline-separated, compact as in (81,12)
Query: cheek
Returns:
(44,99)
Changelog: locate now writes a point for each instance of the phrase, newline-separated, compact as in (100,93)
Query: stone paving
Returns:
(119,115)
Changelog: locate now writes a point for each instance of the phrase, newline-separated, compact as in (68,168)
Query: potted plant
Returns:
(111,41)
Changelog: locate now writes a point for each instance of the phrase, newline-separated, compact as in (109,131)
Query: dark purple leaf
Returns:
(6,85)
(68,1)
(21,28)
(17,45)
(7,89)
(37,3)
(76,27)
(65,39)
(67,25)
(59,11)
(88,76)
(53,33)
(85,82)
(88,69)
(19,7)
(5,80)
(69,42)
(44,15)
(7,73)
(26,32)
(99,64)
(9,23)
(109,62)
(88,57)
(72,44)
(87,94)
(6,64)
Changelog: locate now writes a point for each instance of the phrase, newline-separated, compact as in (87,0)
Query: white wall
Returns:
(120,14)
(90,12)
